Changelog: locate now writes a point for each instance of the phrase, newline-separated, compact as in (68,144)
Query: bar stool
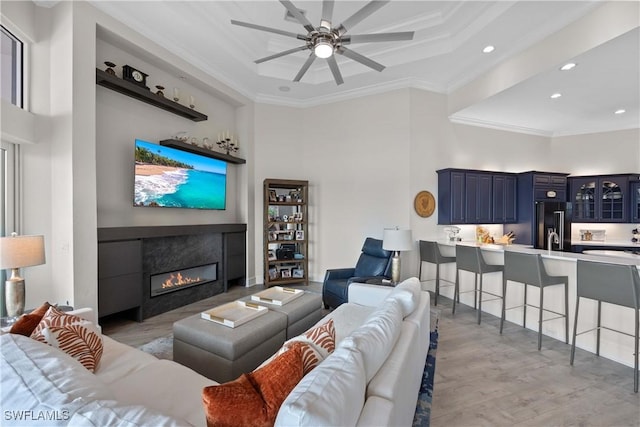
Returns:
(614,284)
(529,270)
(469,258)
(430,252)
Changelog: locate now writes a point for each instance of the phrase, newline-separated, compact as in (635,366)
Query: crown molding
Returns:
(469,121)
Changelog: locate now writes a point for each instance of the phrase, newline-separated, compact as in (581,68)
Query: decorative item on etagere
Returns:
(228,142)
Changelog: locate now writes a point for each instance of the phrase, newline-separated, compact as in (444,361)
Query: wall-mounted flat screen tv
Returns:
(172,178)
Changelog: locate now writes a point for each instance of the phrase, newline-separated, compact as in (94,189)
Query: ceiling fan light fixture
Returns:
(323,49)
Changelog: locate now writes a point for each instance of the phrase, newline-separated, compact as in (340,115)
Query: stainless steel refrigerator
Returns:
(555,216)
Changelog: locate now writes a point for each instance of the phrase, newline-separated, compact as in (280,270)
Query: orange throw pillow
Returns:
(254,399)
(318,344)
(72,334)
(28,322)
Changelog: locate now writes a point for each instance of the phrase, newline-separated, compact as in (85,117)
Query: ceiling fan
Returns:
(326,40)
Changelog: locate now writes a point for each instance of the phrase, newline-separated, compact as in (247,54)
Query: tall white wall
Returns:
(366,159)
(598,153)
(121,119)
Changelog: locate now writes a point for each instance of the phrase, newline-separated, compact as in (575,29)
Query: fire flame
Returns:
(178,279)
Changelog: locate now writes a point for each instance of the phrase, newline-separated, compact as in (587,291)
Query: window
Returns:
(11,68)
(8,201)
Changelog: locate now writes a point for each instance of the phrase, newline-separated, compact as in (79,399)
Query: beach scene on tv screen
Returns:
(167,177)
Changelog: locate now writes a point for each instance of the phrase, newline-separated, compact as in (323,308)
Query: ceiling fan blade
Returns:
(278,55)
(269,29)
(327,12)
(299,16)
(359,58)
(372,38)
(305,67)
(333,65)
(366,10)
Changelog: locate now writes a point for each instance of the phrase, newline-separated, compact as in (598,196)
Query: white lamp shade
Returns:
(21,251)
(395,239)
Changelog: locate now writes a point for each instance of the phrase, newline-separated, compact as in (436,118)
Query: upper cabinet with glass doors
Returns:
(603,198)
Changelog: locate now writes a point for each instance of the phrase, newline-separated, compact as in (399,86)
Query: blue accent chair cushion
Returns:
(374,262)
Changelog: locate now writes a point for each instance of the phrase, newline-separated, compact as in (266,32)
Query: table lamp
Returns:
(17,252)
(396,240)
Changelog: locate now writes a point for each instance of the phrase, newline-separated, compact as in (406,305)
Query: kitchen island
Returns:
(613,345)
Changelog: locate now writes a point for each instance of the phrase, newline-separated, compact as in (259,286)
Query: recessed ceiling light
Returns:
(488,49)
(620,111)
(556,95)
(567,66)
(284,88)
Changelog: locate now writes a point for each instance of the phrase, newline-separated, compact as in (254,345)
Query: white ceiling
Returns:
(444,55)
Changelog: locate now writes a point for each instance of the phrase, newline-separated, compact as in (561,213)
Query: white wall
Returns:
(598,153)
(368,164)
(121,119)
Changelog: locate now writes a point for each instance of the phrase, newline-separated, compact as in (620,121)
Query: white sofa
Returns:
(353,386)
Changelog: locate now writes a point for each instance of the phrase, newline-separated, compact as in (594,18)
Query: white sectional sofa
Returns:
(372,378)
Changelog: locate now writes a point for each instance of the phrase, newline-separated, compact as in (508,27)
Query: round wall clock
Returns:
(424,204)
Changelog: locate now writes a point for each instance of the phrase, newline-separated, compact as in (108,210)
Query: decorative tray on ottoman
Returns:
(234,313)
(277,295)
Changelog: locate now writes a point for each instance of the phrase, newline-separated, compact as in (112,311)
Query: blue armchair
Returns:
(374,262)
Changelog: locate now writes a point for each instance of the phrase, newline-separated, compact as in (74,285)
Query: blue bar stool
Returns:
(529,270)
(614,284)
(430,252)
(469,258)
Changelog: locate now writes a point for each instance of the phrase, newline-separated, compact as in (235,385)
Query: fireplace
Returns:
(182,279)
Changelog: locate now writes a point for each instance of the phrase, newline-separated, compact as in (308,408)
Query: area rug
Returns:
(423,407)
(162,348)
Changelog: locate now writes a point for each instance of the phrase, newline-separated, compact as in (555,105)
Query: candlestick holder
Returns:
(228,145)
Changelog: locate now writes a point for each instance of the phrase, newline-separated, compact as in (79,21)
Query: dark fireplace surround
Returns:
(129,257)
(176,253)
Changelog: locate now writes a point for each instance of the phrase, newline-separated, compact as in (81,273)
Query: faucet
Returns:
(551,234)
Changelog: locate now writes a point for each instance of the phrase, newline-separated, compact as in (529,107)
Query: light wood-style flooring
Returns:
(482,378)
(136,334)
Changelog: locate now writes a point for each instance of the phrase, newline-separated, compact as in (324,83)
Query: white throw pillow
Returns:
(408,295)
(377,336)
(330,395)
(42,385)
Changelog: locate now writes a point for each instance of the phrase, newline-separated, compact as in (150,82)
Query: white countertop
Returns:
(558,255)
(619,254)
(626,243)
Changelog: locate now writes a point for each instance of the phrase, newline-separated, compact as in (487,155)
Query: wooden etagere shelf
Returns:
(185,146)
(286,232)
(127,88)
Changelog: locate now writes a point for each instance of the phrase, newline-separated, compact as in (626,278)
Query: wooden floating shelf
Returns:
(134,91)
(185,146)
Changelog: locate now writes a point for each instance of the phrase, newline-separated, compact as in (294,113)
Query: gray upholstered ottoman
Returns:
(302,313)
(222,353)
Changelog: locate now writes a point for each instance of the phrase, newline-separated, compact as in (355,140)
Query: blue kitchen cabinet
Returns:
(603,198)
(479,199)
(476,197)
(504,198)
(451,197)
(634,192)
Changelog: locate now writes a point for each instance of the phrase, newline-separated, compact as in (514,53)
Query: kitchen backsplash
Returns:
(612,231)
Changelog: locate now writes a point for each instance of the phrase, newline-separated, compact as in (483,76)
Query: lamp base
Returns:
(14,296)
(395,267)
